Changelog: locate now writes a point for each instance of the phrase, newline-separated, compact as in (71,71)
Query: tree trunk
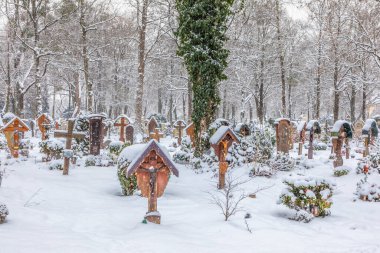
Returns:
(352,103)
(88,84)
(189,100)
(281,58)
(318,77)
(141,66)
(159,105)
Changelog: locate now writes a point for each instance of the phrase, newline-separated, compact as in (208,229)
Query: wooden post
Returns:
(223,165)
(179,127)
(311,140)
(347,148)
(338,152)
(366,146)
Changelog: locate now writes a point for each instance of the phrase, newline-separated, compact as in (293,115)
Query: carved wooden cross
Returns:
(122,126)
(69,135)
(179,127)
(156,135)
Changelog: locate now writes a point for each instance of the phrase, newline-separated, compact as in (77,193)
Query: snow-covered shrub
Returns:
(56,165)
(3,212)
(309,194)
(282,162)
(341,171)
(185,154)
(241,153)
(3,142)
(264,147)
(82,124)
(207,162)
(262,170)
(367,191)
(101,160)
(302,215)
(52,148)
(128,184)
(115,148)
(317,145)
(364,167)
(374,160)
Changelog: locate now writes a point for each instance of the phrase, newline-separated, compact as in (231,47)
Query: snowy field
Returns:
(84,212)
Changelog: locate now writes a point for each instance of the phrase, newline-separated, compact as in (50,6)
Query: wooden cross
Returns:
(223,165)
(152,165)
(69,135)
(156,135)
(179,127)
(122,126)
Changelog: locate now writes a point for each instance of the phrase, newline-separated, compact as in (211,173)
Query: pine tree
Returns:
(201,34)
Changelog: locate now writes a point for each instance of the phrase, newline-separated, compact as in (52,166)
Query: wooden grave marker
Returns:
(122,121)
(129,131)
(301,130)
(44,123)
(69,135)
(221,140)
(96,133)
(152,125)
(242,130)
(156,135)
(370,131)
(340,133)
(313,127)
(179,125)
(283,135)
(152,167)
(13,132)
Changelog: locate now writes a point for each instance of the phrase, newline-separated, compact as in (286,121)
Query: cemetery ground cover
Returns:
(85,212)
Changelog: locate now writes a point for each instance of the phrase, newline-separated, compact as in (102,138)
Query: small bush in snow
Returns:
(3,212)
(241,153)
(115,147)
(302,215)
(262,170)
(282,162)
(185,154)
(52,148)
(102,160)
(368,191)
(56,165)
(374,160)
(360,168)
(341,171)
(308,194)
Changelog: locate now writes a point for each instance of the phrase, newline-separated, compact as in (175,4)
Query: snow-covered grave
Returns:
(85,212)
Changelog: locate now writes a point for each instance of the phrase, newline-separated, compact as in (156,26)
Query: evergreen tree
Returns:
(201,35)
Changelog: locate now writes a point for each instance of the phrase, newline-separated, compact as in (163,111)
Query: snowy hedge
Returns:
(3,212)
(307,194)
(368,191)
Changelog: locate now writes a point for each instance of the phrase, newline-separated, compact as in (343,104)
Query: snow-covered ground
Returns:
(84,212)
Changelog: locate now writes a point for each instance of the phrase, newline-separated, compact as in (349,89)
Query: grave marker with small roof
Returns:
(152,166)
(69,135)
(13,131)
(340,132)
(221,140)
(283,135)
(152,125)
(44,122)
(370,131)
(313,127)
(96,133)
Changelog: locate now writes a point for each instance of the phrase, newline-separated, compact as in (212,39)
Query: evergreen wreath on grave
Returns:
(82,124)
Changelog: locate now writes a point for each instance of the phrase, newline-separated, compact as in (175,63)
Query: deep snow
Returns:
(84,212)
